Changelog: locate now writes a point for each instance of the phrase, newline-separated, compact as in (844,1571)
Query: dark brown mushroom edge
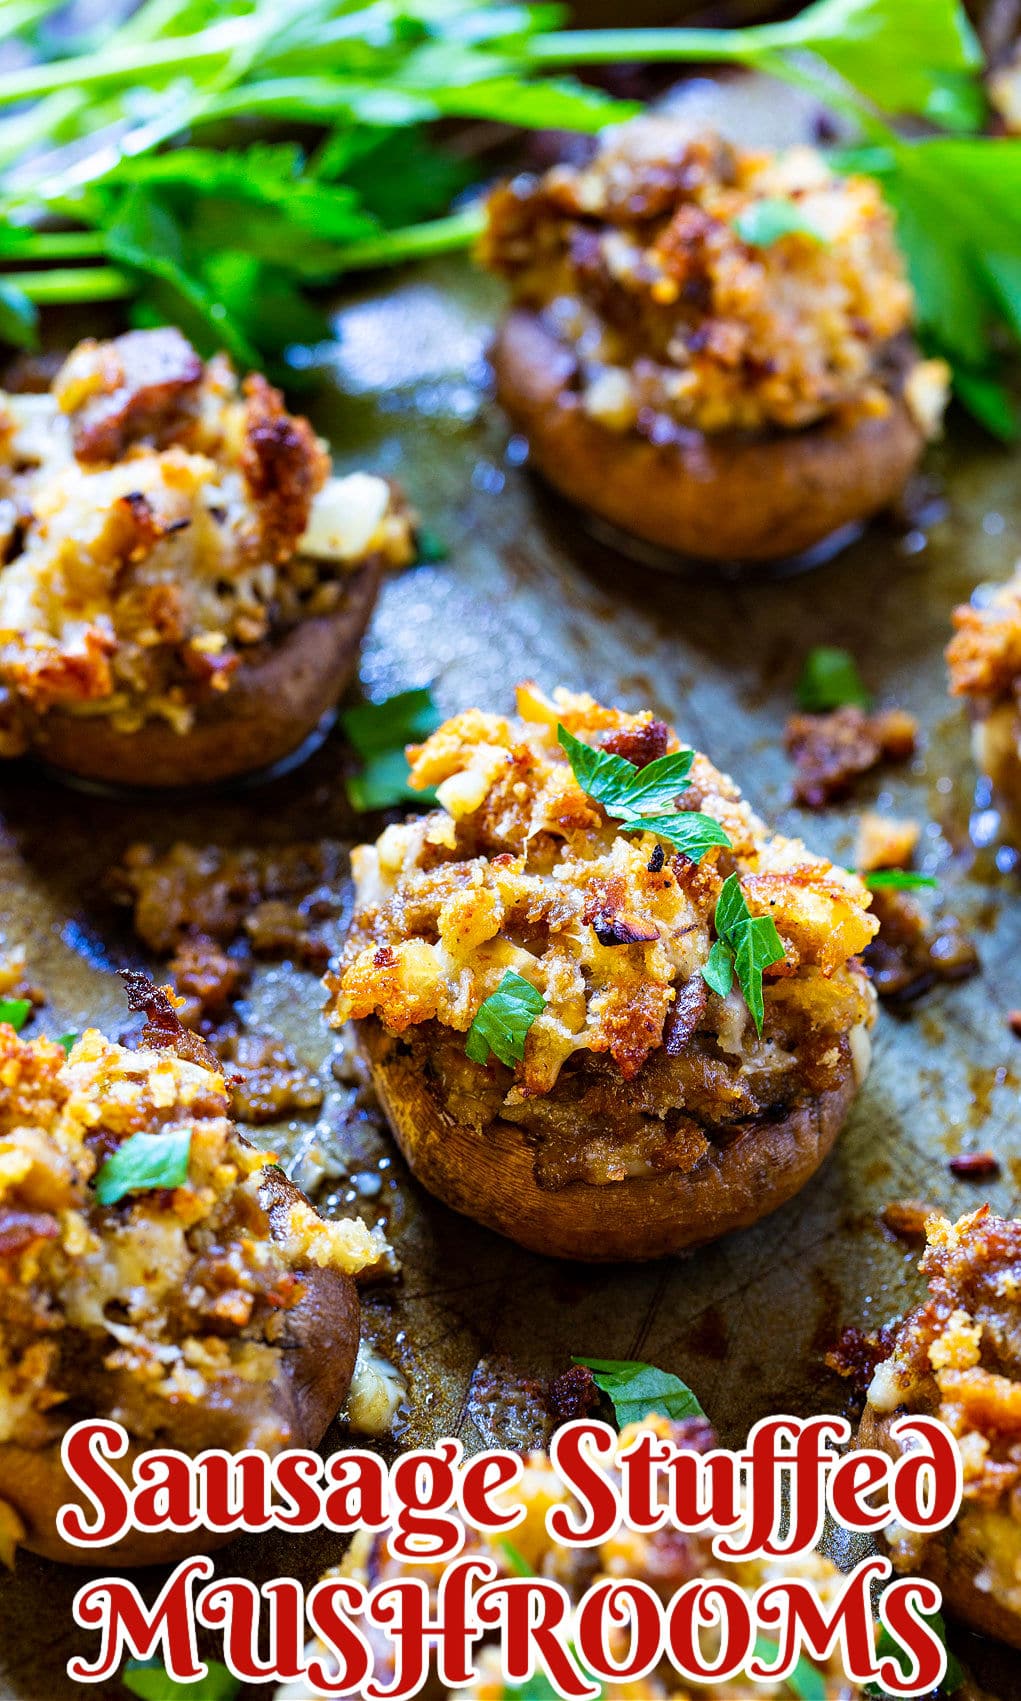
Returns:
(663,1561)
(646,1113)
(984,657)
(957,1357)
(185,587)
(711,348)
(210,1306)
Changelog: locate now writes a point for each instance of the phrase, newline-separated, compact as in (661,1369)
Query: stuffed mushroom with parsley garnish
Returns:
(184,587)
(606,1011)
(157,1270)
(708,347)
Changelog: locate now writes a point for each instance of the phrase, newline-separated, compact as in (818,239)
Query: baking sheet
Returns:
(526,592)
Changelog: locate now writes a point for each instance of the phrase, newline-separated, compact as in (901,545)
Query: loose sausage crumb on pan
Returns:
(664,1561)
(207,1306)
(646,1113)
(913,950)
(185,585)
(984,658)
(709,392)
(957,1357)
(831,751)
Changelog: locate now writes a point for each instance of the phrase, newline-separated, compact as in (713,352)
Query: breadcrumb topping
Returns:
(678,320)
(518,865)
(984,655)
(665,1560)
(158,520)
(166,1298)
(958,1357)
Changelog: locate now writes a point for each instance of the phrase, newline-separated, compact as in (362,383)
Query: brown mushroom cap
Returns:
(951,1558)
(726,497)
(490,1174)
(319,1344)
(277,697)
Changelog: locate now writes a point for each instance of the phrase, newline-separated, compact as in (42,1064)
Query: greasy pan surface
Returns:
(527,592)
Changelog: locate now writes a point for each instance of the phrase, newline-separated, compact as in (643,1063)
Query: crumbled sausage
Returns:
(912,951)
(140,388)
(831,751)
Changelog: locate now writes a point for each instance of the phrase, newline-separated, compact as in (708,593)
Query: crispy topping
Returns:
(520,870)
(164,520)
(984,655)
(637,262)
(912,950)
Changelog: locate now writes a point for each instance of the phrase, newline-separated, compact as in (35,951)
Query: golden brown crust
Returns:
(951,1559)
(276,700)
(722,497)
(489,1173)
(320,1342)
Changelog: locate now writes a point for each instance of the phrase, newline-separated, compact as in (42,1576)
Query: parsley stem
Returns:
(601,47)
(56,245)
(71,283)
(413,242)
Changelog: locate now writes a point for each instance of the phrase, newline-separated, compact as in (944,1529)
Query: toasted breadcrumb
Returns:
(664,1561)
(636,261)
(518,866)
(958,1357)
(158,520)
(883,841)
(169,1297)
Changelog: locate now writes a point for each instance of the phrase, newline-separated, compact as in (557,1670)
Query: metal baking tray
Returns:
(527,592)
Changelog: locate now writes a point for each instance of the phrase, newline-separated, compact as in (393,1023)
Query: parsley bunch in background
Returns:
(139,142)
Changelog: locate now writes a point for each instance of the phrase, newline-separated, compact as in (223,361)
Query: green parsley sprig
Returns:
(144,1162)
(503,1020)
(745,945)
(638,798)
(15,1012)
(764,222)
(380,733)
(830,680)
(231,241)
(899,880)
(149,1680)
(635,1389)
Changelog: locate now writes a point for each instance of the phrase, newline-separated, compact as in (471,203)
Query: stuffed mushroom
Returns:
(606,1033)
(708,347)
(984,657)
(664,1561)
(957,1357)
(185,586)
(156,1270)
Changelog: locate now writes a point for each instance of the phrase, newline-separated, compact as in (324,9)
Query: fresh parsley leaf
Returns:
(515,1558)
(19,317)
(379,733)
(830,680)
(15,1012)
(898,880)
(863,41)
(886,1646)
(745,945)
(144,1162)
(68,1042)
(634,796)
(806,1681)
(431,547)
(149,1680)
(764,222)
(988,401)
(503,1020)
(636,1389)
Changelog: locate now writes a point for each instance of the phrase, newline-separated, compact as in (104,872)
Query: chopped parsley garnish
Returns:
(635,1389)
(379,733)
(15,1012)
(68,1041)
(899,880)
(144,1162)
(515,1558)
(764,222)
(745,944)
(638,797)
(148,1680)
(806,1681)
(830,680)
(502,1021)
(886,1646)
